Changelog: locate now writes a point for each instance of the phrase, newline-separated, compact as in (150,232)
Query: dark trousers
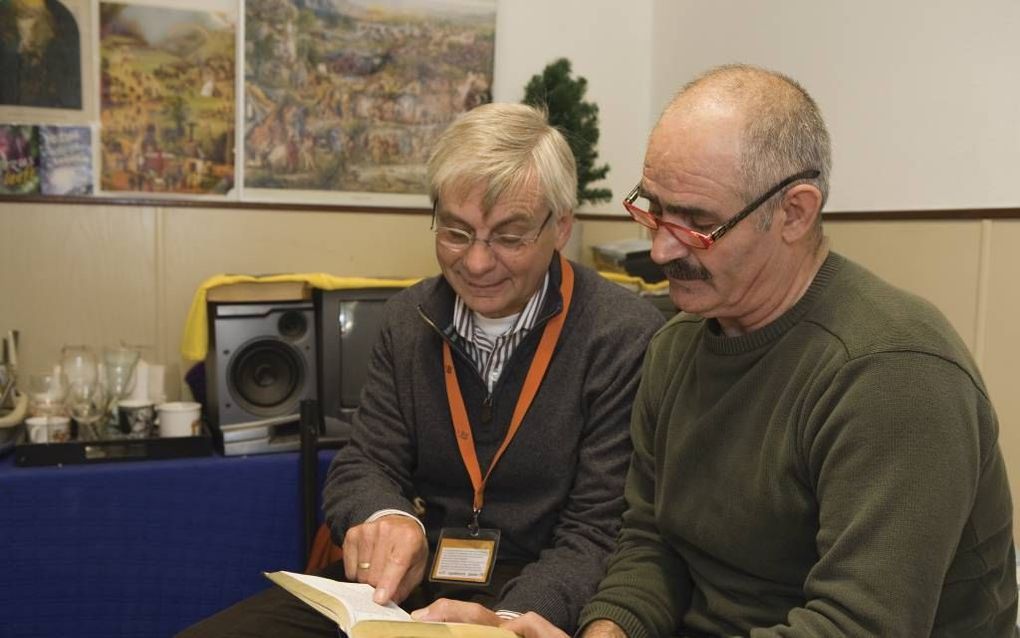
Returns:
(275,612)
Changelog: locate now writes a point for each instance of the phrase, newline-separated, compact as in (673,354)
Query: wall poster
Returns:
(65,160)
(167,107)
(45,61)
(19,159)
(343,98)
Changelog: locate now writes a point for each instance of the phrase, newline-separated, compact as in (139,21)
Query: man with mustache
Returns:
(815,453)
(496,407)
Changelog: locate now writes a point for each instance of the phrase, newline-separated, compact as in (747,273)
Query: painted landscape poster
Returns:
(167,102)
(348,95)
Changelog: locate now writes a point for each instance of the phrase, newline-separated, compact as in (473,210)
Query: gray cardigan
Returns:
(557,493)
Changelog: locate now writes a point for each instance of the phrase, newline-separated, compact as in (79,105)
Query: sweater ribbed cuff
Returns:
(628,622)
(394,512)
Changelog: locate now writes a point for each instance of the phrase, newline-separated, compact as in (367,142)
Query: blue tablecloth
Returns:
(142,548)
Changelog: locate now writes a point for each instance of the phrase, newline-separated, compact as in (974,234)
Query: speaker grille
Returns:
(266,377)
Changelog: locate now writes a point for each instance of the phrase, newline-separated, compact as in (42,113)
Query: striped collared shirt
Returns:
(490,355)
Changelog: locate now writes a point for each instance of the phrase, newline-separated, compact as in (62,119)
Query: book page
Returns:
(356,598)
(390,629)
(350,606)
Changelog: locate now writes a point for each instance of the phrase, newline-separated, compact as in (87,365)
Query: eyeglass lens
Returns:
(457,239)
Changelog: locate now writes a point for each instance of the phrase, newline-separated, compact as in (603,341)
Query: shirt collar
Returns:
(464,317)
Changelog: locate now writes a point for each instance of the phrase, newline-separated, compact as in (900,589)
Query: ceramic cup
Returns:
(136,418)
(48,429)
(179,418)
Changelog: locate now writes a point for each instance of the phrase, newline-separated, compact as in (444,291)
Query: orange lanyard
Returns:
(539,365)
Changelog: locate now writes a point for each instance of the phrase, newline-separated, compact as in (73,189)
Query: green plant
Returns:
(563,97)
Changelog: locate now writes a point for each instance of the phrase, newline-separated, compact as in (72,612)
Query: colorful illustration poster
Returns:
(40,55)
(65,160)
(167,105)
(19,159)
(348,95)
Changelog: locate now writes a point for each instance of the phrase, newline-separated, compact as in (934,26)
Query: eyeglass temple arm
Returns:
(750,208)
(632,195)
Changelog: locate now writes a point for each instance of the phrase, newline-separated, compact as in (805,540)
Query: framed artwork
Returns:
(342,100)
(334,102)
(167,105)
(46,61)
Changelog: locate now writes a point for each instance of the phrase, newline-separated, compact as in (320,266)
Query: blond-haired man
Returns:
(496,405)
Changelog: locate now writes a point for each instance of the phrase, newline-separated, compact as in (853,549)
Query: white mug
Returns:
(48,429)
(179,418)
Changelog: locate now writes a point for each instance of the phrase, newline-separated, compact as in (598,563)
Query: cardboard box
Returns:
(260,291)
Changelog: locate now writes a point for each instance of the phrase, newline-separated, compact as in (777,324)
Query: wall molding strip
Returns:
(837,216)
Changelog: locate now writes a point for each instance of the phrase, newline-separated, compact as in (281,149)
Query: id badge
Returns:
(463,556)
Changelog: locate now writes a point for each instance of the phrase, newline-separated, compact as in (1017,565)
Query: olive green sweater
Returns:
(835,473)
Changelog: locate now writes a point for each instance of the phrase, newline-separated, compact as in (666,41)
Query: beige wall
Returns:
(101,274)
(104,274)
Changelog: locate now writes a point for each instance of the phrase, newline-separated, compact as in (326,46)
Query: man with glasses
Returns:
(815,453)
(487,458)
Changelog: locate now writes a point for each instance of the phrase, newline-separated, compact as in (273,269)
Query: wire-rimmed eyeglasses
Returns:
(458,240)
(691,237)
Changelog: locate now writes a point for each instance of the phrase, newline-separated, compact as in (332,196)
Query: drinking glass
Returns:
(118,373)
(85,399)
(86,404)
(78,364)
(45,395)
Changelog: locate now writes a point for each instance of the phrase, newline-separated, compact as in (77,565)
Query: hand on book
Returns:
(532,625)
(446,610)
(389,554)
(529,625)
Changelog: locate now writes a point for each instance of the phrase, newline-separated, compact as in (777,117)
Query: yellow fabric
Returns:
(639,283)
(195,342)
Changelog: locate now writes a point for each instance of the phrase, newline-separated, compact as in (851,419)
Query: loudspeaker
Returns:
(261,363)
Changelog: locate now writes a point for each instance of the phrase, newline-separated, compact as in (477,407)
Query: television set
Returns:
(349,323)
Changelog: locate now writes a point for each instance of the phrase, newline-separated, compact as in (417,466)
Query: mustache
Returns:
(684,271)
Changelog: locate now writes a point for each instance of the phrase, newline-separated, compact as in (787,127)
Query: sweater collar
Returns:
(717,342)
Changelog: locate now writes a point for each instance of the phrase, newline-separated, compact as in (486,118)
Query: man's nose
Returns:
(479,257)
(666,247)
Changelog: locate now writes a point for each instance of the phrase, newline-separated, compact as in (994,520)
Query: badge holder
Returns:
(465,555)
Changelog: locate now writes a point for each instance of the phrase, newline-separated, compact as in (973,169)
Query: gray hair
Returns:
(506,147)
(784,132)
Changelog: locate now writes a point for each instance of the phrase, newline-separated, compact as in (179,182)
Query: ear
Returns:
(564,225)
(801,207)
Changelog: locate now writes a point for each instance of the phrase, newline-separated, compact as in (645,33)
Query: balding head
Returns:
(781,127)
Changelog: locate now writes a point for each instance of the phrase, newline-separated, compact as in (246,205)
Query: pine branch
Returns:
(563,98)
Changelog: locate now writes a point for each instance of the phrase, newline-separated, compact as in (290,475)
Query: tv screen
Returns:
(349,325)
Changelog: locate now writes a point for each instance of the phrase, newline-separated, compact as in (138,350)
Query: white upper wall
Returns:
(608,42)
(921,97)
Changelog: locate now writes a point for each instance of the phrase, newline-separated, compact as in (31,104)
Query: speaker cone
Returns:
(266,377)
(292,324)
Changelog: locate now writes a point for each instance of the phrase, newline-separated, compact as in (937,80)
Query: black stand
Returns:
(311,428)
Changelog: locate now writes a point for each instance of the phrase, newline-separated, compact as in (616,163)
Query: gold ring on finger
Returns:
(364,565)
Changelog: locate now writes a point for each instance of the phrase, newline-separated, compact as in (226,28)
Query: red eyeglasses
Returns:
(693,238)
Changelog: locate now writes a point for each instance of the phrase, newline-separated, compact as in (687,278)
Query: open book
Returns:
(350,606)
